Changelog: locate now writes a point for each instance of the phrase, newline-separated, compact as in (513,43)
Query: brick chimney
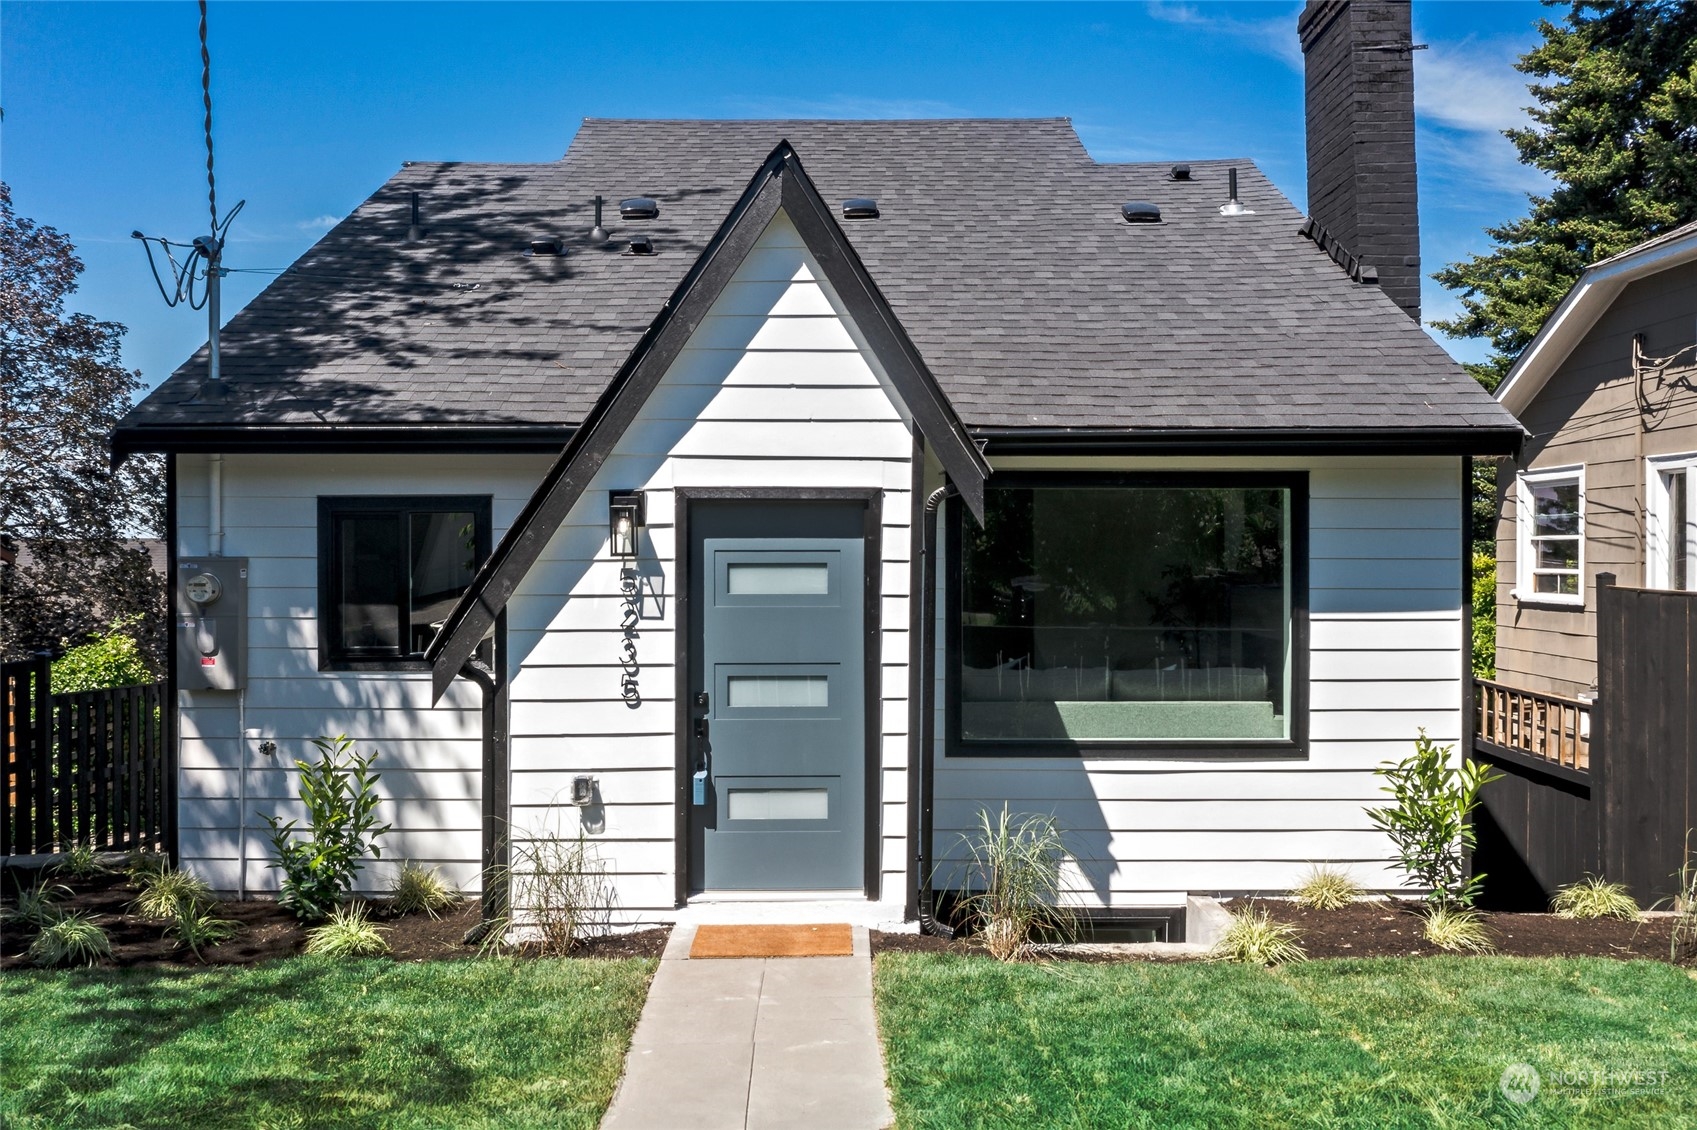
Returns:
(1358,55)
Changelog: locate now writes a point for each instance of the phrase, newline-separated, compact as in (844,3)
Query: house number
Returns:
(632,615)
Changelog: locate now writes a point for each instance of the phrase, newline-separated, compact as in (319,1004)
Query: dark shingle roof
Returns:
(1000,248)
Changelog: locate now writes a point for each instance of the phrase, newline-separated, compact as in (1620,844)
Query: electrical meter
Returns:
(211,624)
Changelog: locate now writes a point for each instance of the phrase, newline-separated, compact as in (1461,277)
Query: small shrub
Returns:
(196,926)
(36,905)
(556,891)
(1255,939)
(1683,946)
(1430,823)
(1593,898)
(340,794)
(1012,884)
(80,862)
(142,867)
(71,939)
(166,895)
(1456,928)
(1326,888)
(112,660)
(347,933)
(419,888)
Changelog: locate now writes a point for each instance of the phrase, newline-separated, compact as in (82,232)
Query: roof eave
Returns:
(1482,440)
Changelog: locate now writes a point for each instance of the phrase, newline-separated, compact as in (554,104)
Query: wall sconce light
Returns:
(627,512)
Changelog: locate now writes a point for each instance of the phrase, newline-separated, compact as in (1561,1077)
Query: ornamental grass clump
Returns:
(556,892)
(419,888)
(1591,897)
(142,867)
(347,933)
(166,894)
(1253,938)
(70,939)
(1683,945)
(1430,824)
(1456,928)
(1326,888)
(340,794)
(80,862)
(37,905)
(197,927)
(1012,885)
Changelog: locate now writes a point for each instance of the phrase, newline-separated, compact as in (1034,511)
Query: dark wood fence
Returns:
(91,768)
(1607,789)
(1647,715)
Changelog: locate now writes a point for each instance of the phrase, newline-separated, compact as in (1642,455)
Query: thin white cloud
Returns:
(319,223)
(1471,86)
(1274,35)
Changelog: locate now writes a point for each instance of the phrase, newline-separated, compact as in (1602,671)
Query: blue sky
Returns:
(315,105)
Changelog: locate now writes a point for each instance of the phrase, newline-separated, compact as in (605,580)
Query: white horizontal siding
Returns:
(771,391)
(1385,661)
(428,758)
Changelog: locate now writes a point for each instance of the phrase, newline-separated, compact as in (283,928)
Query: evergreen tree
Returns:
(1615,127)
(75,520)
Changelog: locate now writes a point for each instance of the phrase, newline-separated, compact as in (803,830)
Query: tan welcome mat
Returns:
(833,939)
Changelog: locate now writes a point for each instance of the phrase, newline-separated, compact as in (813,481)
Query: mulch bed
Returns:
(266,931)
(1379,928)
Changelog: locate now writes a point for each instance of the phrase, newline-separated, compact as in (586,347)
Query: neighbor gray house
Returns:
(766,498)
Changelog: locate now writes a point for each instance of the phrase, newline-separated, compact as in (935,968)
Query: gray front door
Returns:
(777,695)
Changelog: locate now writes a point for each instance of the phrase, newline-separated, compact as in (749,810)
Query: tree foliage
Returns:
(62,388)
(1615,127)
(112,660)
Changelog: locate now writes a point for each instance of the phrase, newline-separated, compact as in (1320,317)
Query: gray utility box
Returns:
(210,609)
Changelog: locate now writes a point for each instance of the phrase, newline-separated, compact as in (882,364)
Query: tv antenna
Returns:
(196,279)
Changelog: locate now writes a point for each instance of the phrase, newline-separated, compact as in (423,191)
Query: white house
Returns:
(957,468)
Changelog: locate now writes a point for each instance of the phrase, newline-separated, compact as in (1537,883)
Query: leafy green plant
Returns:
(1430,823)
(36,905)
(1457,928)
(1253,938)
(1484,614)
(347,933)
(111,660)
(556,893)
(166,895)
(1591,897)
(196,926)
(419,888)
(1326,888)
(340,794)
(80,862)
(70,939)
(1012,883)
(142,867)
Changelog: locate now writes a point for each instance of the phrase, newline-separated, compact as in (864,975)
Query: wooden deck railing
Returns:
(1545,726)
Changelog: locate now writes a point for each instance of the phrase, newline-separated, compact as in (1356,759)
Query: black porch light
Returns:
(627,512)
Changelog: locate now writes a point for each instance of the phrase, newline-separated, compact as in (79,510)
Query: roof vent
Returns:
(414,232)
(598,234)
(641,245)
(1141,212)
(860,208)
(639,208)
(1181,172)
(1232,207)
(545,247)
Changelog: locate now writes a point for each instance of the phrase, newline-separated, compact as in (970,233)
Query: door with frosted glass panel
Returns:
(777,701)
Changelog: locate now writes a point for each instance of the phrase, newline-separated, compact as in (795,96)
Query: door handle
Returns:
(701,729)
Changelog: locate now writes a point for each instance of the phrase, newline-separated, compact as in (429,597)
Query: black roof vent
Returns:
(641,245)
(639,208)
(860,208)
(1141,212)
(545,247)
(1181,172)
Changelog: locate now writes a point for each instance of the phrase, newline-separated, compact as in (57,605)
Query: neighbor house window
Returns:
(1551,528)
(390,568)
(1672,525)
(1097,613)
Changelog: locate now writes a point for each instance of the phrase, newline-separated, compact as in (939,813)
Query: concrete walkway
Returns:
(752,1043)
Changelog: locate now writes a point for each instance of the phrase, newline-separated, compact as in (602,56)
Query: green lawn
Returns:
(1358,1043)
(316,1042)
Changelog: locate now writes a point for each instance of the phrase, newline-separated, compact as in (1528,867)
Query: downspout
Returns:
(928,923)
(494,733)
(215,506)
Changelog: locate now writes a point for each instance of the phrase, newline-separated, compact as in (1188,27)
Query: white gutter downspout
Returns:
(215,503)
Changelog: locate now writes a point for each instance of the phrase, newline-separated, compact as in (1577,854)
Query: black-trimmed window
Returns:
(389,569)
(1136,614)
